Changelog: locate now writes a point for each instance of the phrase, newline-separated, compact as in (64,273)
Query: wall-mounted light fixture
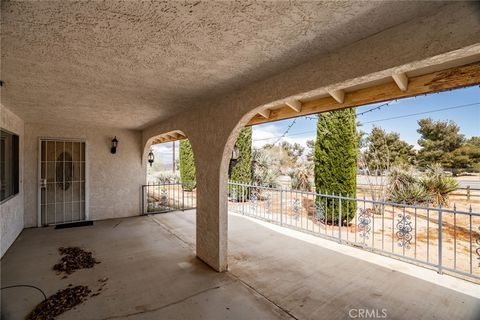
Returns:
(234,159)
(151,157)
(113,150)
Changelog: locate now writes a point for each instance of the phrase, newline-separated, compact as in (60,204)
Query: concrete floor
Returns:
(153,274)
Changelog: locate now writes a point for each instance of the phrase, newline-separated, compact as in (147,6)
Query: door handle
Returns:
(43,183)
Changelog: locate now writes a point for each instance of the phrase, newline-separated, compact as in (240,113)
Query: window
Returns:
(9,165)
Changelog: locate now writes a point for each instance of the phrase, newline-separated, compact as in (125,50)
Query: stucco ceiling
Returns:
(128,64)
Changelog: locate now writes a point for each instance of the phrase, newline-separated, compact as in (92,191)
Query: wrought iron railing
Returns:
(447,239)
(166,197)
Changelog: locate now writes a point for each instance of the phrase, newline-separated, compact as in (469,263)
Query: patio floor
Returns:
(153,274)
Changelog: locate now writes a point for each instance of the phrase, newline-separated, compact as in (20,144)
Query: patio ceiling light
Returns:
(235,153)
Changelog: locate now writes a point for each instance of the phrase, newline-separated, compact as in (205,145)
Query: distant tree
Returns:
(466,157)
(386,149)
(242,170)
(438,139)
(336,159)
(187,165)
(311,150)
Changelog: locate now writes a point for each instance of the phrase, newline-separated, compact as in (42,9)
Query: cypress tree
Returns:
(336,151)
(187,165)
(242,170)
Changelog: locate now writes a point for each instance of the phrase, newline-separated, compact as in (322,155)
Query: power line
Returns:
(425,112)
(378,120)
(293,134)
(285,133)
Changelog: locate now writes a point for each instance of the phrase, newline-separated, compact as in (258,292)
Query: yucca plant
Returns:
(405,187)
(410,194)
(438,185)
(301,180)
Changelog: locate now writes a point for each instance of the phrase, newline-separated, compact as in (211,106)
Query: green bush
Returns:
(187,166)
(242,170)
(335,160)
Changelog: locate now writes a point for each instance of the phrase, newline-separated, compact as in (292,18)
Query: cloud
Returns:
(264,134)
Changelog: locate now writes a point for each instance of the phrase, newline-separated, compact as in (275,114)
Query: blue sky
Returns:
(467,117)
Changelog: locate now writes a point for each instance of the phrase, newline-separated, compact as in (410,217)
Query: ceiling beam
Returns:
(338,95)
(169,137)
(401,80)
(458,77)
(265,113)
(295,105)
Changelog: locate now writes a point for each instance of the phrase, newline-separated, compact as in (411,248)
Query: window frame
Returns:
(14,173)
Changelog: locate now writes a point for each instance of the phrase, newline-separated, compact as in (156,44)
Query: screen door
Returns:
(62,181)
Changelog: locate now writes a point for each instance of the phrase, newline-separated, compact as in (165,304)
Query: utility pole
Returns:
(173,158)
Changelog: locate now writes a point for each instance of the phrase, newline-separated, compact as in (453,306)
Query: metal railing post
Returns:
(440,240)
(183,196)
(281,206)
(340,218)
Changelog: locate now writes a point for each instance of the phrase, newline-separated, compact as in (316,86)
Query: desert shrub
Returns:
(265,170)
(301,179)
(438,185)
(167,177)
(405,185)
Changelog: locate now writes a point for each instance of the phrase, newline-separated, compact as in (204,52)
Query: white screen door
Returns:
(62,181)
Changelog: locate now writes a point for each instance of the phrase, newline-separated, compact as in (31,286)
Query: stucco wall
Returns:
(11,212)
(113,180)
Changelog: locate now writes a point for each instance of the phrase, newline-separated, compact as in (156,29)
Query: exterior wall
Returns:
(212,126)
(113,180)
(12,210)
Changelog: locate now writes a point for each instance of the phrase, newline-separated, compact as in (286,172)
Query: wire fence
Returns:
(445,239)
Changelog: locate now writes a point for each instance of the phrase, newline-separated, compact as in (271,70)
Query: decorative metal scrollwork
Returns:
(319,210)
(233,195)
(478,248)
(404,226)
(364,223)
(296,206)
(253,201)
(269,202)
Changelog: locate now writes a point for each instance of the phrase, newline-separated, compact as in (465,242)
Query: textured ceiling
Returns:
(128,64)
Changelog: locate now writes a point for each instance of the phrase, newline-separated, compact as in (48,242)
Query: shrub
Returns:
(336,157)
(242,170)
(168,177)
(407,186)
(301,180)
(187,166)
(438,185)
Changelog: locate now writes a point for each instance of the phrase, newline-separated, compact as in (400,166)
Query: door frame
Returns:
(39,169)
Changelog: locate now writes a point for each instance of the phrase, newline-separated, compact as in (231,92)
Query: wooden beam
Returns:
(295,105)
(453,78)
(401,80)
(169,137)
(338,95)
(265,113)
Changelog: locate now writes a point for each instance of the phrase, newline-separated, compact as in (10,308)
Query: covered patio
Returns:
(273,274)
(87,88)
